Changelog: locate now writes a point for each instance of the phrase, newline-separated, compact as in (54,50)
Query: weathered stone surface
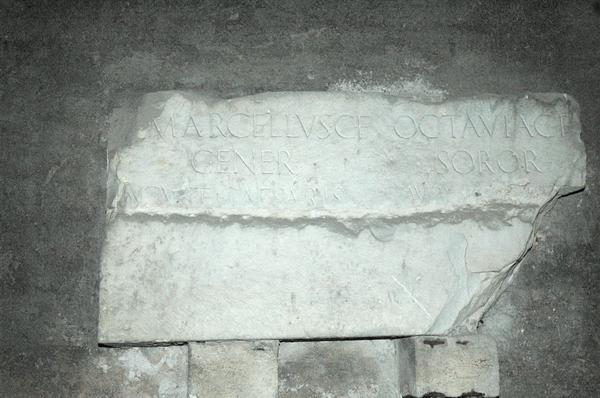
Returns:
(147,372)
(452,366)
(352,368)
(295,215)
(215,281)
(233,369)
(313,155)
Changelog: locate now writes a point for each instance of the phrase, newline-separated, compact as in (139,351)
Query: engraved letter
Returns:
(535,125)
(202,161)
(223,160)
(362,125)
(240,157)
(524,126)
(170,123)
(442,117)
(308,132)
(402,128)
(192,122)
(258,127)
(445,165)
(513,159)
(435,118)
(483,160)
(469,125)
(231,119)
(130,196)
(268,160)
(487,128)
(529,159)
(562,125)
(215,129)
(416,192)
(468,161)
(326,128)
(282,161)
(288,128)
(337,125)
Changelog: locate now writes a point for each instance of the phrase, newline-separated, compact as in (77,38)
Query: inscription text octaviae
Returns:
(273,155)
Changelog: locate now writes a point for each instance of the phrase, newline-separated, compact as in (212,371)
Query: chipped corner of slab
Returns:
(279,194)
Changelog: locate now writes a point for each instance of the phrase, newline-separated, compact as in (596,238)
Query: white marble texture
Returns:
(305,215)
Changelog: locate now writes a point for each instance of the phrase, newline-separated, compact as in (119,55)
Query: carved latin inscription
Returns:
(355,127)
(329,153)
(324,215)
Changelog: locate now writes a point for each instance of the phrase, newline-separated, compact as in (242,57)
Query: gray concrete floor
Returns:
(63,66)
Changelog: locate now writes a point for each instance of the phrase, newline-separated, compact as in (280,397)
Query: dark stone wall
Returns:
(64,65)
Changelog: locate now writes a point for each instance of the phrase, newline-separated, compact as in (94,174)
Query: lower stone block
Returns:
(453,366)
(233,369)
(365,369)
(160,372)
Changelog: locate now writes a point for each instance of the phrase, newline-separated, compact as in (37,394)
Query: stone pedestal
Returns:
(160,372)
(453,366)
(353,368)
(234,369)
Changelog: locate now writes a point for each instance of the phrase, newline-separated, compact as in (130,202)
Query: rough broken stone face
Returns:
(304,215)
(233,369)
(453,366)
(352,368)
